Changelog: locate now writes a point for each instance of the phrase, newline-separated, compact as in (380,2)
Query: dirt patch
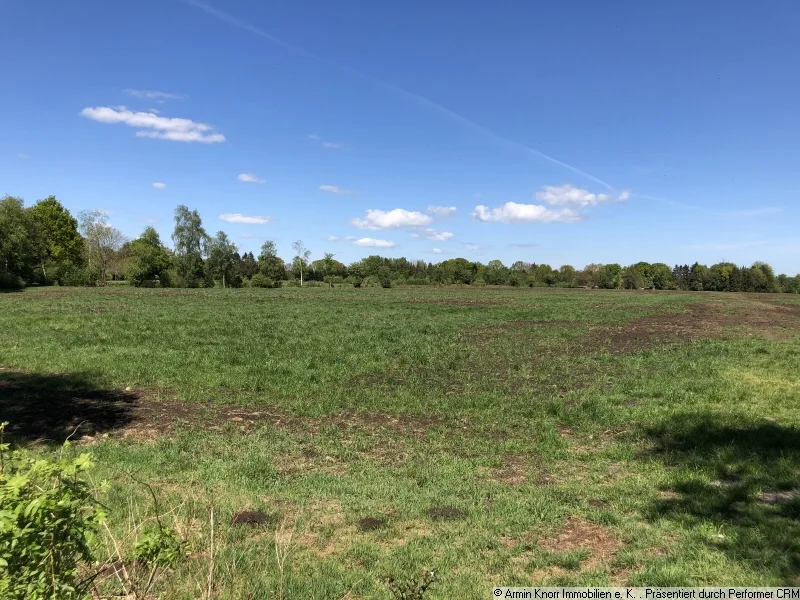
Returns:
(253,518)
(446,513)
(372,523)
(699,321)
(52,407)
(545,478)
(514,472)
(580,534)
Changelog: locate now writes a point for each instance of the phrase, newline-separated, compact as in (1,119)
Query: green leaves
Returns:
(49,515)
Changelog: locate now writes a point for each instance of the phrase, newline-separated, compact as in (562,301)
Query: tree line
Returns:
(43,244)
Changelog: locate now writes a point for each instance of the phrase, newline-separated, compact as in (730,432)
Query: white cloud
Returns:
(249,178)
(326,143)
(436,250)
(568,195)
(393,219)
(441,211)
(511,212)
(22,156)
(472,247)
(153,95)
(159,186)
(335,189)
(249,220)
(333,238)
(433,234)
(153,126)
(371,243)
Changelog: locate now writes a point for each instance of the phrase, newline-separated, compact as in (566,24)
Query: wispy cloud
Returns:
(159,186)
(372,243)
(745,212)
(413,97)
(336,238)
(393,219)
(511,212)
(154,126)
(247,219)
(433,234)
(441,212)
(335,189)
(325,143)
(472,247)
(22,156)
(752,212)
(436,250)
(249,178)
(524,245)
(569,195)
(153,95)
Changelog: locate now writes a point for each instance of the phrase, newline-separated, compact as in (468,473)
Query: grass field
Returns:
(497,437)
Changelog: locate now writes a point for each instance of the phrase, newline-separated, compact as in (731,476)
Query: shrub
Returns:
(48,519)
(10,281)
(79,276)
(260,281)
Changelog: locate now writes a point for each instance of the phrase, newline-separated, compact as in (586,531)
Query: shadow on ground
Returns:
(741,480)
(52,407)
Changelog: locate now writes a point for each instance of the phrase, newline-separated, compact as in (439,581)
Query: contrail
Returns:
(231,20)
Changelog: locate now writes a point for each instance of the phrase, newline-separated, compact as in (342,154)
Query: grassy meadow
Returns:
(494,436)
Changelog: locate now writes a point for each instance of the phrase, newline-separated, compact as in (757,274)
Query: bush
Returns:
(261,281)
(48,519)
(9,281)
(79,276)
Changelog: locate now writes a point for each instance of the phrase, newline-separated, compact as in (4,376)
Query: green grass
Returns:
(589,437)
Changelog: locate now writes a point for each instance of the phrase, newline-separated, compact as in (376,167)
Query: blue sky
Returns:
(558,132)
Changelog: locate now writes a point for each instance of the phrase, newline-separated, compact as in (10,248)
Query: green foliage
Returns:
(261,281)
(149,260)
(222,259)
(48,519)
(158,547)
(411,588)
(59,245)
(17,239)
(11,281)
(190,243)
(78,276)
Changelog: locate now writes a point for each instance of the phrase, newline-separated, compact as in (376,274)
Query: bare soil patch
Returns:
(514,472)
(699,321)
(372,523)
(253,518)
(580,534)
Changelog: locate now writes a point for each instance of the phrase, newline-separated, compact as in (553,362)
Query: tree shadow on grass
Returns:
(51,407)
(740,479)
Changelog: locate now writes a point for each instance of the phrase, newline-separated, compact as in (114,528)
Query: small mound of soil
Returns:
(597,504)
(545,478)
(446,513)
(371,523)
(252,518)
